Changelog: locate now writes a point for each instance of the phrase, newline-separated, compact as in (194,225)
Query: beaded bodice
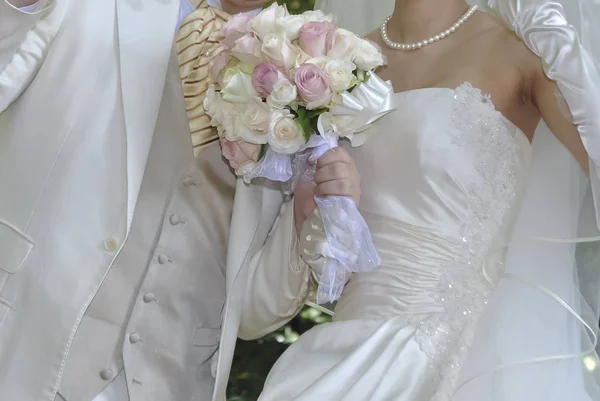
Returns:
(441,186)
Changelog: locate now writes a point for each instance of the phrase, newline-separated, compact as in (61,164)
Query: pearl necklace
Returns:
(428,41)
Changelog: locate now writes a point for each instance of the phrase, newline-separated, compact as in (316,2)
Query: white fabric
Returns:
(64,172)
(550,269)
(71,183)
(437,217)
(547,271)
(185,9)
(30,8)
(116,390)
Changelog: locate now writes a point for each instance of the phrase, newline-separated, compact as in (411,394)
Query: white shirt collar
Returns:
(217,4)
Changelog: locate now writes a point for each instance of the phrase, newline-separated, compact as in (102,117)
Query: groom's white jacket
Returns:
(112,241)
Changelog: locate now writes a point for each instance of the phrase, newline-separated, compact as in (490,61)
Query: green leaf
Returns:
(263,151)
(304,122)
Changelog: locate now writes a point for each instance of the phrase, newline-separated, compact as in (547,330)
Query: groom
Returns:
(112,239)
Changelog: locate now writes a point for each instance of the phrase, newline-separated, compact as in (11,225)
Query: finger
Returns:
(334,156)
(333,171)
(342,187)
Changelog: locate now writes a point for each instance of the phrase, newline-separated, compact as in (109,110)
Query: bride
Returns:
(482,218)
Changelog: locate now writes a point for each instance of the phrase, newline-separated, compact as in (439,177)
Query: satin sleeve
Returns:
(25,36)
(570,58)
(313,248)
(14,25)
(283,275)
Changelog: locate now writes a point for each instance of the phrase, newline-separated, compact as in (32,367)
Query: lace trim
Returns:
(464,288)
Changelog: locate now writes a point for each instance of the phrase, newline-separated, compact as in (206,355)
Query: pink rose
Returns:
(241,155)
(234,29)
(219,60)
(314,86)
(316,37)
(264,77)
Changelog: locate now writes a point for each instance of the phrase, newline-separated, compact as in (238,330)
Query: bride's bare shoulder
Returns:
(495,36)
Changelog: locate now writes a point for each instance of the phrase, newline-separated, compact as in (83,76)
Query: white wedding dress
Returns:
(442,182)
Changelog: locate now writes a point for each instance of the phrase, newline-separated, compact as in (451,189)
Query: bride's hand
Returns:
(336,175)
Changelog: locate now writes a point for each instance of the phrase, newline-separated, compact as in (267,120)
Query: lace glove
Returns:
(314,251)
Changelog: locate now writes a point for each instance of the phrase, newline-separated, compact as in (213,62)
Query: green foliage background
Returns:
(254,359)
(295,6)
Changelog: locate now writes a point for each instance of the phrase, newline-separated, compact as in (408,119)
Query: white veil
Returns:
(537,338)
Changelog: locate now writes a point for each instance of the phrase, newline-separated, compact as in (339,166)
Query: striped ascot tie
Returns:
(197,38)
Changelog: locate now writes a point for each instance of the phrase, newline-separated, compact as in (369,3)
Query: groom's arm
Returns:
(17,18)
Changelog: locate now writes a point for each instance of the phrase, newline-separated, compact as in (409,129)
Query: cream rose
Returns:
(290,26)
(216,107)
(340,73)
(317,15)
(234,29)
(266,21)
(368,56)
(283,94)
(285,134)
(343,46)
(247,50)
(320,62)
(237,86)
(280,51)
(252,125)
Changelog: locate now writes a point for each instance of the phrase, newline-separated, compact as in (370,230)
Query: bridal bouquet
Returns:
(284,89)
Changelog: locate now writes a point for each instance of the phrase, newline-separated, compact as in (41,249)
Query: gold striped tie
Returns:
(198,37)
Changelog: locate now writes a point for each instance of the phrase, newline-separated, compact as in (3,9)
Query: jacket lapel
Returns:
(146,30)
(247,210)
(254,211)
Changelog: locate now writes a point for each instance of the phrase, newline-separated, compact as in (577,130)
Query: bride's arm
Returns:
(555,112)
(279,278)
(282,273)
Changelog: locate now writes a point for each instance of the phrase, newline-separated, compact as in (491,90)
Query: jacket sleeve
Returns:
(283,274)
(15,23)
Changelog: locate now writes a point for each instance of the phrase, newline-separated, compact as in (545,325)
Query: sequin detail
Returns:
(464,286)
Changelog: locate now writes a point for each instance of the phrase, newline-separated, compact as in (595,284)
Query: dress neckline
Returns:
(520,135)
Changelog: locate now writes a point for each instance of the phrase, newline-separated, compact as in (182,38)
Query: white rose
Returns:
(280,51)
(301,59)
(340,73)
(222,113)
(283,93)
(237,85)
(367,56)
(317,15)
(340,124)
(344,45)
(285,134)
(320,62)
(290,26)
(266,21)
(252,125)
